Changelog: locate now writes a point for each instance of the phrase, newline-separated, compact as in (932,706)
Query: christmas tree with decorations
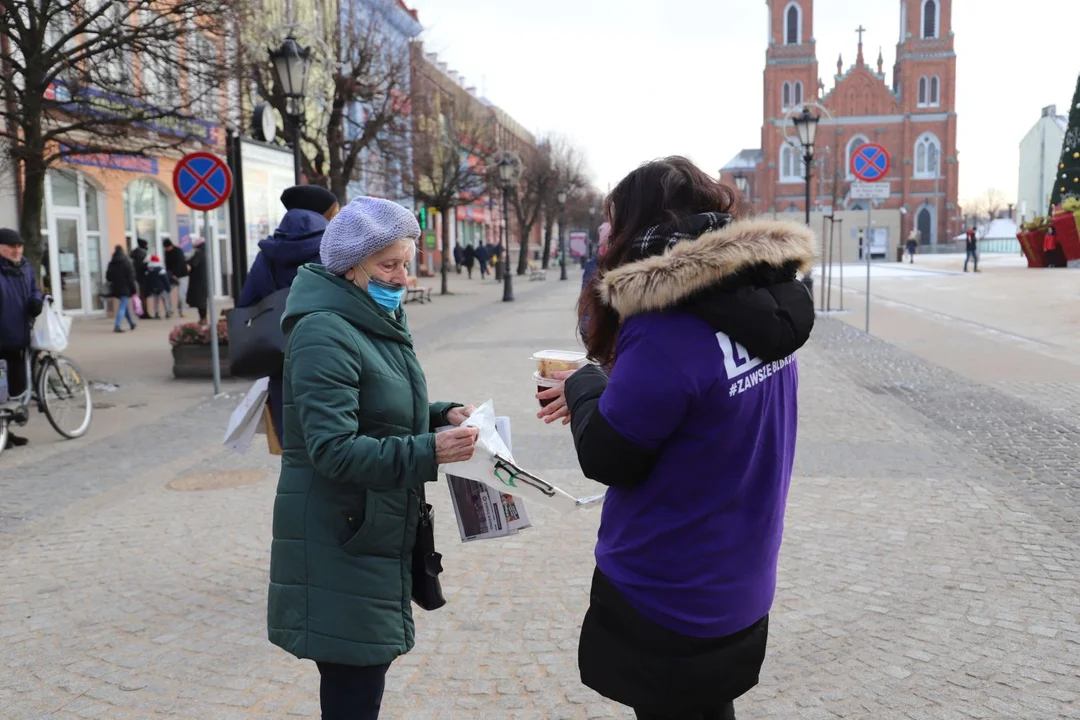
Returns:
(1067,179)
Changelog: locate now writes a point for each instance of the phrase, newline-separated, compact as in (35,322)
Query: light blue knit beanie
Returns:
(362,228)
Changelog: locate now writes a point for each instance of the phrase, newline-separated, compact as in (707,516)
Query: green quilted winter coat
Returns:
(357,447)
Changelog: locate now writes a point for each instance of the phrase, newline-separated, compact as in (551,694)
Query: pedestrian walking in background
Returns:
(971,247)
(469,258)
(120,274)
(158,288)
(176,267)
(139,260)
(692,427)
(483,255)
(20,303)
(198,292)
(1052,249)
(912,245)
(601,247)
(459,258)
(359,447)
(295,242)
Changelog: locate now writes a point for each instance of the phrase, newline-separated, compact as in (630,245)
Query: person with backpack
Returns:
(295,242)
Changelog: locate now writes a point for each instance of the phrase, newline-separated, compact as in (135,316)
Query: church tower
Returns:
(791,79)
(924,79)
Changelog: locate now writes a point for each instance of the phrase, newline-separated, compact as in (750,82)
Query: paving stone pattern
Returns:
(929,567)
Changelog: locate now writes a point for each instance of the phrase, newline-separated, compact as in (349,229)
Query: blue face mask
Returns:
(386,295)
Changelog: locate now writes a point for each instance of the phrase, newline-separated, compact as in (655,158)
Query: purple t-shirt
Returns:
(694,548)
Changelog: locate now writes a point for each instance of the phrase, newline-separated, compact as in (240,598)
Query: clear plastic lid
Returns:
(567,356)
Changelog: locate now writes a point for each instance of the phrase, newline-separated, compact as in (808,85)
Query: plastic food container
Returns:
(553,361)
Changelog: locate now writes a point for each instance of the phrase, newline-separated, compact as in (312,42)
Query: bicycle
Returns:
(55,382)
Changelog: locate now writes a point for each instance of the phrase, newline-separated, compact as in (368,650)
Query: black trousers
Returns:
(725,713)
(347,692)
(16,370)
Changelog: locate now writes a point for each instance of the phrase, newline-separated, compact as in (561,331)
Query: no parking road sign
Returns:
(870,162)
(202,181)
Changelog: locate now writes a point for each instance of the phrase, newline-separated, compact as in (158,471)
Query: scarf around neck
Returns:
(660,238)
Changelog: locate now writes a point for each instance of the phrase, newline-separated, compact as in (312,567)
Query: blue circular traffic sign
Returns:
(870,162)
(202,181)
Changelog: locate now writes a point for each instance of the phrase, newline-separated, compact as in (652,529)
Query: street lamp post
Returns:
(807,124)
(560,196)
(291,65)
(509,168)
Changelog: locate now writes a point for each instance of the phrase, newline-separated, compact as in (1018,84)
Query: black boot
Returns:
(16,441)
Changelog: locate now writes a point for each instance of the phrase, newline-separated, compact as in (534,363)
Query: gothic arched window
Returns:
(785,98)
(798,93)
(793,24)
(922,91)
(792,168)
(854,143)
(935,91)
(927,156)
(930,19)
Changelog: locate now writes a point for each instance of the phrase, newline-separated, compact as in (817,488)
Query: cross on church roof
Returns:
(860,30)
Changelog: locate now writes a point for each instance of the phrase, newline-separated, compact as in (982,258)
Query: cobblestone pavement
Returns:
(929,568)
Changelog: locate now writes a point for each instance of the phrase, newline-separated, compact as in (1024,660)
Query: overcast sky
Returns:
(631,80)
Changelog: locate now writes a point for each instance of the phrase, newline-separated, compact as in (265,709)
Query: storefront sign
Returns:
(429,240)
(99,103)
(128,163)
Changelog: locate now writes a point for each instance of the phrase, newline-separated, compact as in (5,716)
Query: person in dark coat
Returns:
(176,267)
(459,258)
(359,447)
(295,242)
(690,418)
(483,255)
(158,288)
(468,256)
(20,302)
(971,249)
(141,262)
(198,291)
(120,274)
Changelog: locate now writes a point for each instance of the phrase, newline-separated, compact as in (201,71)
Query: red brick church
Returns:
(914,117)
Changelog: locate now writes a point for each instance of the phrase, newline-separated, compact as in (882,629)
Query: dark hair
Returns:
(657,192)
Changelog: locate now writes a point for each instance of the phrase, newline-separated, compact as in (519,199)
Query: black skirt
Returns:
(632,660)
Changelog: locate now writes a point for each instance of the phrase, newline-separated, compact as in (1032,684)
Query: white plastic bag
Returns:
(493,465)
(246,418)
(51,329)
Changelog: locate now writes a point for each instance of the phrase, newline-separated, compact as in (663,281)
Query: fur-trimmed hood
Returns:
(663,282)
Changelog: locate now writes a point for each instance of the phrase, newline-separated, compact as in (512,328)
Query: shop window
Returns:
(65,188)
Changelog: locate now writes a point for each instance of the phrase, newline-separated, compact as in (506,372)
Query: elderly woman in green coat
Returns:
(358,448)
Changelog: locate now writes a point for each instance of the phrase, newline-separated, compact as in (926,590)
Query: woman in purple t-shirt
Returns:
(689,417)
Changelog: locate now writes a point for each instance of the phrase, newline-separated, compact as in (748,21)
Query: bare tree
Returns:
(358,87)
(569,170)
(986,208)
(537,184)
(83,77)
(452,151)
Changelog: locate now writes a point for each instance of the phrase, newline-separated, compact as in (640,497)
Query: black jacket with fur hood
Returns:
(740,279)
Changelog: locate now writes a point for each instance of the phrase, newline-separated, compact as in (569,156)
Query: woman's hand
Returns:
(458,415)
(455,445)
(556,409)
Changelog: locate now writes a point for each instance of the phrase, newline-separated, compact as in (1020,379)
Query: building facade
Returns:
(1040,152)
(96,202)
(914,118)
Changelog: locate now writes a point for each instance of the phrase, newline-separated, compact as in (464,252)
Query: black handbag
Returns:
(256,342)
(426,563)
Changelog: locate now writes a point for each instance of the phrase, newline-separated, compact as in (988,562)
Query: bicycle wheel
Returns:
(65,396)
